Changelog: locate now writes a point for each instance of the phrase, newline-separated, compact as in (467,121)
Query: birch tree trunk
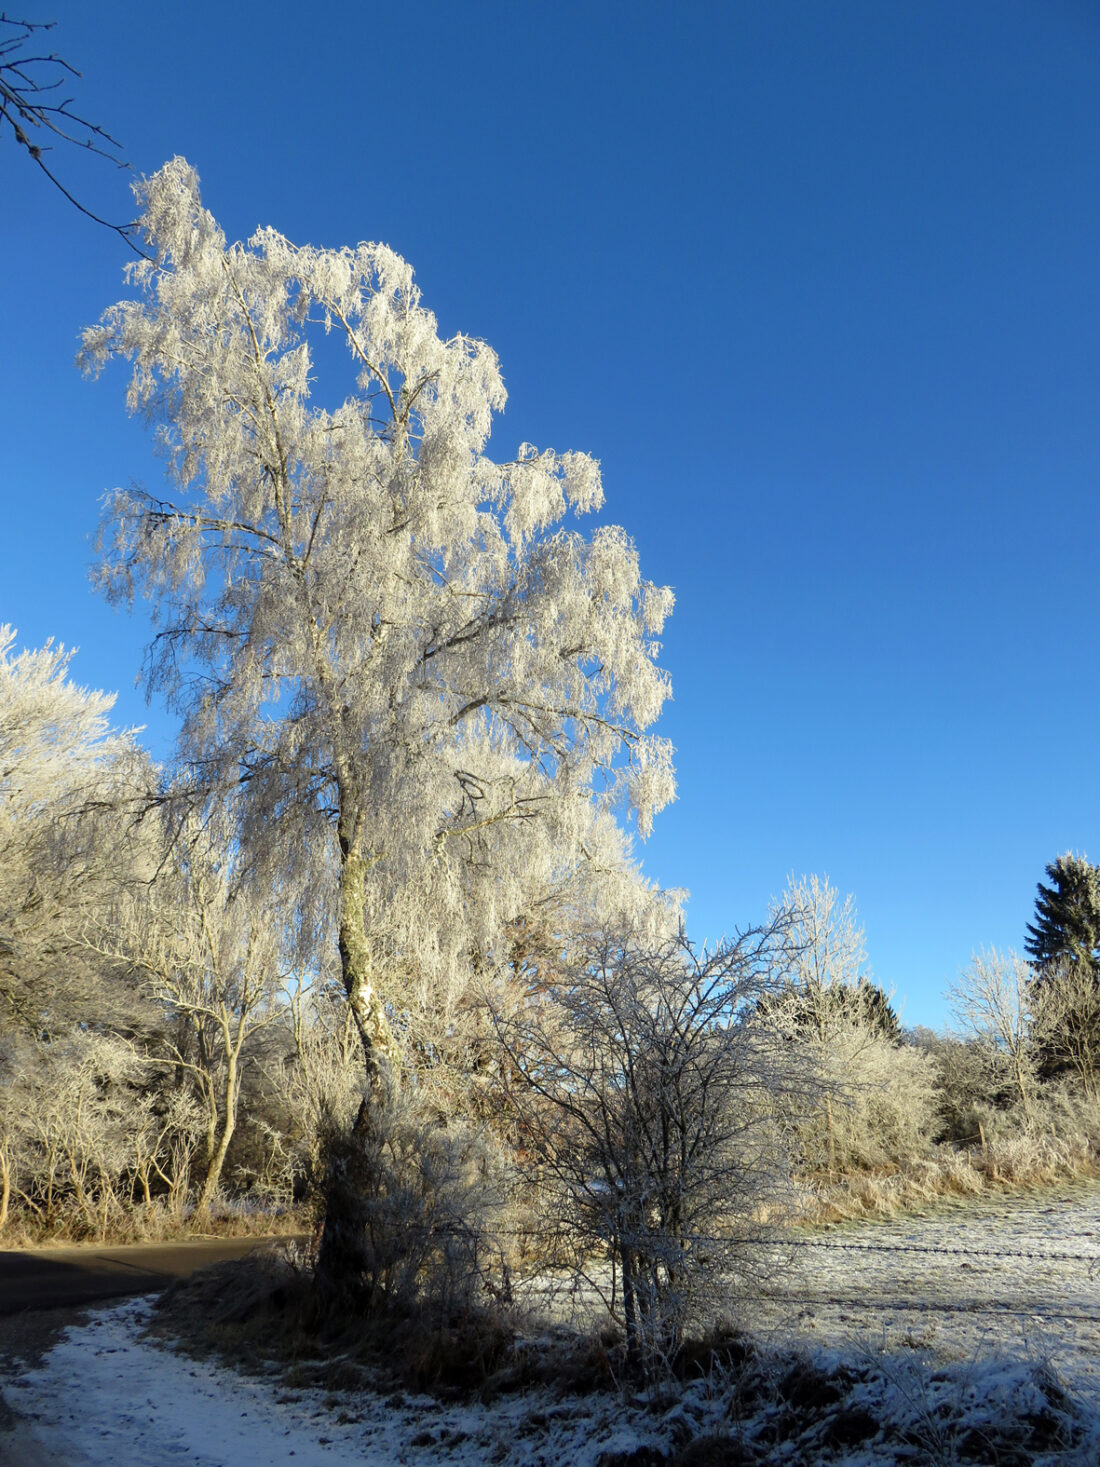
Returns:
(5,1186)
(223,1136)
(356,967)
(341,1256)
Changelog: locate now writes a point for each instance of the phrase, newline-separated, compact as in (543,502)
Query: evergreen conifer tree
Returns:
(1063,944)
(1067,915)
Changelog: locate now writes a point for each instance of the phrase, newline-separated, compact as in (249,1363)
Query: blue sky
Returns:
(818,284)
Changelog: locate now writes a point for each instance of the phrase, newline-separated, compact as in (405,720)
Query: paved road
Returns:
(39,1287)
(55,1278)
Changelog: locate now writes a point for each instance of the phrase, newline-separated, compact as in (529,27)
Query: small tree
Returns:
(992,1004)
(1065,1003)
(644,1091)
(961,1079)
(66,852)
(829,960)
(212,954)
(843,1021)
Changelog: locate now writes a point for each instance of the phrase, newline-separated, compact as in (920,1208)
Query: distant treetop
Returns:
(1067,915)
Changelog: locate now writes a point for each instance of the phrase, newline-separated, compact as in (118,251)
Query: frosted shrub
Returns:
(644,1090)
(85,1117)
(427,1198)
(66,851)
(316,1090)
(886,1111)
(875,1106)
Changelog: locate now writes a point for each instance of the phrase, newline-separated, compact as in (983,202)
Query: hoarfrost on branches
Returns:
(53,733)
(63,849)
(415,683)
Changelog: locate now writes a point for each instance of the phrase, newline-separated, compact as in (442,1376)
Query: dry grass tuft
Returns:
(155,1224)
(1017,1162)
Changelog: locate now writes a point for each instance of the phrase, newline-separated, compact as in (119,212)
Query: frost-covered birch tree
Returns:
(388,648)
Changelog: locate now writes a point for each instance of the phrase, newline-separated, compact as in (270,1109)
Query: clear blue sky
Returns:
(818,284)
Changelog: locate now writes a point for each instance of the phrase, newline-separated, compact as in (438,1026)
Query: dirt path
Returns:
(41,1294)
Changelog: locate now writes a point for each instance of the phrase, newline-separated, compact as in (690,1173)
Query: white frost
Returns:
(104,1397)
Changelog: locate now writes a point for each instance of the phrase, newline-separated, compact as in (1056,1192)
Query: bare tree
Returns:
(645,1090)
(214,956)
(1066,1017)
(830,960)
(35,109)
(992,1004)
(829,952)
(410,679)
(876,1100)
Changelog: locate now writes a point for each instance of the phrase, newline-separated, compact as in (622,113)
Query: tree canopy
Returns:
(384,645)
(1067,915)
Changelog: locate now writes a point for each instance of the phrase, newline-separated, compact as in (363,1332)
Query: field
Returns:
(1014,1274)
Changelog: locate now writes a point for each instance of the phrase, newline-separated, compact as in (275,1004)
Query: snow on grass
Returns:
(981,1390)
(105,1397)
(1017,1275)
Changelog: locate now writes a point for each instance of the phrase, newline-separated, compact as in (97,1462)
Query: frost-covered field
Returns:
(1020,1274)
(943,1391)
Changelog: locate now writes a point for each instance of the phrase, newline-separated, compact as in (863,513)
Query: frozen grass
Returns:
(1011,1273)
(106,1397)
(971,1335)
(155,1224)
(1015,1163)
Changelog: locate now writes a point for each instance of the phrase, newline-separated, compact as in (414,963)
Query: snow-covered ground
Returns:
(1013,1274)
(107,1397)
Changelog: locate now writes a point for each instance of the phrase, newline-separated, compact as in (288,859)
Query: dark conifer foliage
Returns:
(1067,915)
(862,1004)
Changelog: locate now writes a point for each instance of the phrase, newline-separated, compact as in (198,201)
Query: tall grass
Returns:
(1006,1153)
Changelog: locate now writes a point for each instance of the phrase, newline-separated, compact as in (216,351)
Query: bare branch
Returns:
(28,84)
